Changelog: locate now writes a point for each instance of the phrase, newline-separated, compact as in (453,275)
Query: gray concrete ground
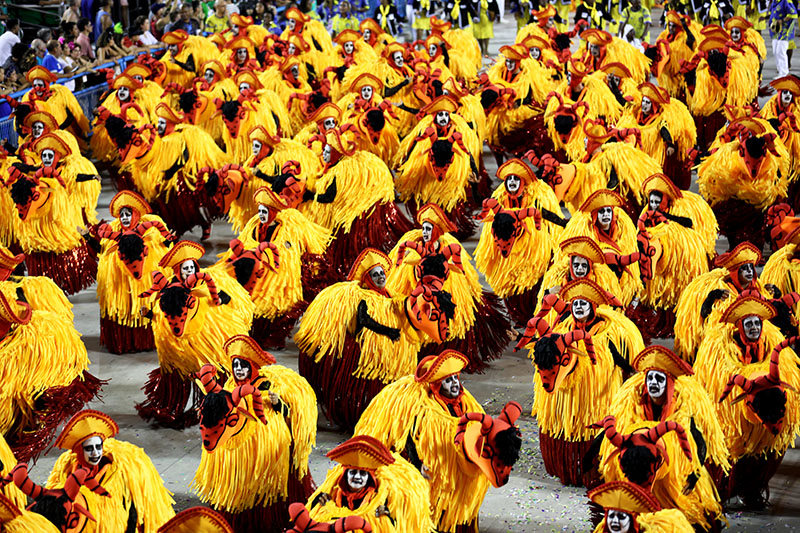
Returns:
(531,502)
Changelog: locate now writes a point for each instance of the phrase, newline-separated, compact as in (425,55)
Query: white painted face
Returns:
(295,70)
(161,126)
(92,450)
(37,129)
(655,200)
(512,183)
(125,216)
(786,97)
(329,123)
(243,86)
(451,387)
(291,23)
(48,157)
(263,214)
(138,78)
(208,75)
(366,92)
(511,65)
(256,147)
(442,118)
(291,49)
(614,80)
(357,479)
(38,84)
(752,328)
(326,153)
(605,215)
(581,309)
(234,29)
(187,269)
(535,52)
(378,275)
(173,48)
(427,231)
(432,49)
(746,273)
(594,50)
(349,48)
(123,93)
(656,382)
(619,522)
(736,34)
(241,369)
(672,28)
(647,105)
(580,266)
(397,57)
(241,55)
(367,35)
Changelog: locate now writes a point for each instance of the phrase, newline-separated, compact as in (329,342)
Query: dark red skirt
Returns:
(741,222)
(564,459)
(166,397)
(121,339)
(652,323)
(73,270)
(522,306)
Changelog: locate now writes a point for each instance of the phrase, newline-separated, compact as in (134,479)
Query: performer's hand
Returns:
(382,510)
(776,293)
(425,471)
(670,151)
(144,310)
(274,398)
(324,498)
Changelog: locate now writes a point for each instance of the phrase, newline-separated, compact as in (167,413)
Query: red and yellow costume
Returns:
(646,513)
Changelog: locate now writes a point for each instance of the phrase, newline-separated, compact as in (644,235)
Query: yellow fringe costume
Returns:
(574,146)
(200,48)
(709,96)
(103,148)
(407,409)
(701,506)
(674,116)
(600,99)
(11,492)
(718,360)
(664,521)
(41,293)
(557,275)
(783,271)
(132,481)
(400,488)
(277,292)
(670,77)
(61,102)
(8,212)
(252,468)
(789,135)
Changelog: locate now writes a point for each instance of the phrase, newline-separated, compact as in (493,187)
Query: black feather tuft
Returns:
(243,269)
(120,132)
(52,508)
(173,300)
(503,226)
(717,62)
(214,409)
(22,191)
(442,153)
(508,443)
(770,404)
(230,109)
(375,119)
(636,463)
(131,247)
(564,124)
(488,98)
(545,353)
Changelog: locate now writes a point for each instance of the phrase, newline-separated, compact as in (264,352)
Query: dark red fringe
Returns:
(122,181)
(54,407)
(182,211)
(342,396)
(121,339)
(72,271)
(272,334)
(652,323)
(381,229)
(707,128)
(273,518)
(472,527)
(678,170)
(166,396)
(316,274)
(749,478)
(461,217)
(564,459)
(485,340)
(740,222)
(521,307)
(532,135)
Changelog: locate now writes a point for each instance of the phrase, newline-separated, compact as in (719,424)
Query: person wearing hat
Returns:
(132,245)
(322,120)
(628,508)
(599,48)
(438,160)
(444,297)
(745,39)
(121,102)
(420,414)
(567,397)
(744,177)
(151,78)
(779,273)
(56,100)
(512,251)
(609,92)
(184,54)
(342,353)
(665,389)
(677,230)
(280,292)
(564,112)
(40,292)
(759,430)
(371,482)
(667,131)
(193,313)
(681,33)
(242,55)
(778,111)
(196,520)
(258,429)
(352,49)
(15,518)
(452,61)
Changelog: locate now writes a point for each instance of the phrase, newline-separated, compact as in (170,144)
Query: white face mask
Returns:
(736,34)
(241,369)
(746,273)
(535,53)
(512,183)
(427,231)
(187,269)
(786,97)
(92,450)
(161,126)
(367,35)
(173,48)
(366,92)
(432,50)
(349,47)
(292,48)
(263,214)
(442,118)
(38,84)
(604,217)
(48,158)
(326,153)
(378,276)
(451,387)
(243,86)
(511,66)
(752,328)
(357,479)
(291,23)
(125,216)
(123,93)
(398,59)
(656,382)
(647,105)
(209,76)
(580,266)
(594,50)
(138,78)
(256,147)
(329,123)
(241,55)
(37,129)
(234,29)
(618,522)
(295,70)
(655,200)
(581,309)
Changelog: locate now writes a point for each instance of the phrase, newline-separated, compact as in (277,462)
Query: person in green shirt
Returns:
(639,17)
(217,22)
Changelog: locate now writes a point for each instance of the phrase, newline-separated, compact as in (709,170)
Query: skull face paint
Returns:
(442,118)
(605,215)
(263,214)
(209,75)
(37,130)
(92,450)
(123,93)
(427,231)
(618,522)
(511,65)
(38,84)
(736,34)
(746,273)
(451,387)
(295,70)
(655,200)
(647,105)
(594,50)
(581,309)
(241,55)
(367,35)
(349,48)
(432,49)
(329,123)
(172,48)
(161,126)
(786,97)
(656,383)
(291,49)
(244,86)
(513,183)
(48,158)
(187,269)
(751,326)
(580,266)
(291,23)
(326,153)
(535,52)
(378,276)
(241,369)
(366,92)
(356,479)
(256,147)
(397,57)
(125,216)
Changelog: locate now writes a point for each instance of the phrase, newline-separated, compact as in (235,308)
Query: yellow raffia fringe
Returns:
(472,111)
(678,51)
(718,360)
(276,292)
(783,271)
(117,290)
(388,142)
(699,505)
(103,148)
(401,488)
(406,409)
(42,294)
(206,331)
(28,522)
(528,260)
(574,147)
(131,479)
(84,193)
(53,226)
(331,317)
(623,52)
(675,117)
(790,138)
(465,288)
(664,521)
(601,101)
(632,166)
(709,96)
(61,102)
(585,394)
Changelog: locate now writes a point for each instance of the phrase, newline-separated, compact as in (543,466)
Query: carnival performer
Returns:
(566,392)
(628,508)
(123,103)
(258,430)
(680,38)
(57,100)
(345,356)
(420,414)
(134,491)
(372,483)
(40,292)
(132,246)
(184,54)
(193,313)
(196,519)
(779,111)
(15,518)
(444,297)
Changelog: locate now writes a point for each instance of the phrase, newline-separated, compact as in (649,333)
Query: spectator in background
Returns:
(50,61)
(345,20)
(386,15)
(217,22)
(185,21)
(69,32)
(39,50)
(782,23)
(141,34)
(83,40)
(639,17)
(87,9)
(159,18)
(15,58)
(103,21)
(73,12)
(9,38)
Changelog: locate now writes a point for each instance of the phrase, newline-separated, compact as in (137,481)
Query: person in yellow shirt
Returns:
(217,22)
